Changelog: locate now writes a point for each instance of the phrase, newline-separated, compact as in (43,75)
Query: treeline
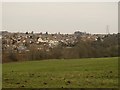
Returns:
(103,47)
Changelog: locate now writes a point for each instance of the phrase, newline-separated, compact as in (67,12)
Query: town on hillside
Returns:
(25,42)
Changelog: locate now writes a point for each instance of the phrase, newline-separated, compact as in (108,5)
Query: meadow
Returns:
(62,73)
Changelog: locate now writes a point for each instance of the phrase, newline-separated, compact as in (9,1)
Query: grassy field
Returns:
(70,73)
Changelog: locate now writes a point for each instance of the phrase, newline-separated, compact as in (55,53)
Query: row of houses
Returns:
(26,41)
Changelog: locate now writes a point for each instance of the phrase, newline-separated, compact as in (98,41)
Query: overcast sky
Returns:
(60,17)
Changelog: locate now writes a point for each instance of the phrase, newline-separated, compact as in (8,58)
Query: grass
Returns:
(71,73)
(0,76)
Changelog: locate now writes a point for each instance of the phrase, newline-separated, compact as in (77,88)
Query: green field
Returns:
(70,73)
